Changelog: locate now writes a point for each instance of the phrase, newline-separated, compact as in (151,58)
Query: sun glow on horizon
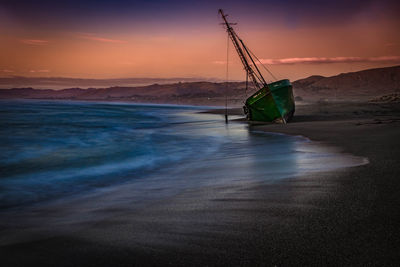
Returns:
(189,42)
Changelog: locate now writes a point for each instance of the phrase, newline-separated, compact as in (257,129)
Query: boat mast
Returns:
(256,77)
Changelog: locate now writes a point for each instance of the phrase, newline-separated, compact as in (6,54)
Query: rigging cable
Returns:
(247,85)
(227,79)
(273,76)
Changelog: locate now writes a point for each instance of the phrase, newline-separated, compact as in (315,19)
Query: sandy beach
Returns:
(340,218)
(123,139)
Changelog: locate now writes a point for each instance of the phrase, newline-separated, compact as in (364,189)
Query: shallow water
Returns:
(51,150)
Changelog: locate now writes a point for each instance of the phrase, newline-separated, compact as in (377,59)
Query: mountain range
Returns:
(361,85)
(58,83)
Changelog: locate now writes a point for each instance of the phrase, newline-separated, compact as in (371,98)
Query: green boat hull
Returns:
(272,104)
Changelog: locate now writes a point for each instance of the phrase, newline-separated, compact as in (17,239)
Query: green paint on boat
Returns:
(272,103)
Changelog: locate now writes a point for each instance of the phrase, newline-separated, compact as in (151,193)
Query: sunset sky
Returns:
(115,39)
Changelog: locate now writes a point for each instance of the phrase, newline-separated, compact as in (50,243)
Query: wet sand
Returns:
(341,218)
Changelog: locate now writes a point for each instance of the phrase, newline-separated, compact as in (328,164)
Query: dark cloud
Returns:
(46,13)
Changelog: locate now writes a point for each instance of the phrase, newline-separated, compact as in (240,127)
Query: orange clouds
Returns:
(34,42)
(33,71)
(321,60)
(219,62)
(93,37)
(128,52)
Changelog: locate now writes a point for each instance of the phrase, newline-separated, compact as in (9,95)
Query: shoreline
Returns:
(353,223)
(207,108)
(365,203)
(343,217)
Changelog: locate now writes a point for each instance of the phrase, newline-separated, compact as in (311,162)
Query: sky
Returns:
(164,39)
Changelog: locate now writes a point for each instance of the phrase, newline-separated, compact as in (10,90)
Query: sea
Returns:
(52,150)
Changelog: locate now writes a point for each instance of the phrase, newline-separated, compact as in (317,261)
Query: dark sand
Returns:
(341,218)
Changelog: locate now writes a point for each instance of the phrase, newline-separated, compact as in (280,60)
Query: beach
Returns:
(339,217)
(188,133)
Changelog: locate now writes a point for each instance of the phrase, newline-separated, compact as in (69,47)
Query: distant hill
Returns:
(364,85)
(58,83)
(201,93)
